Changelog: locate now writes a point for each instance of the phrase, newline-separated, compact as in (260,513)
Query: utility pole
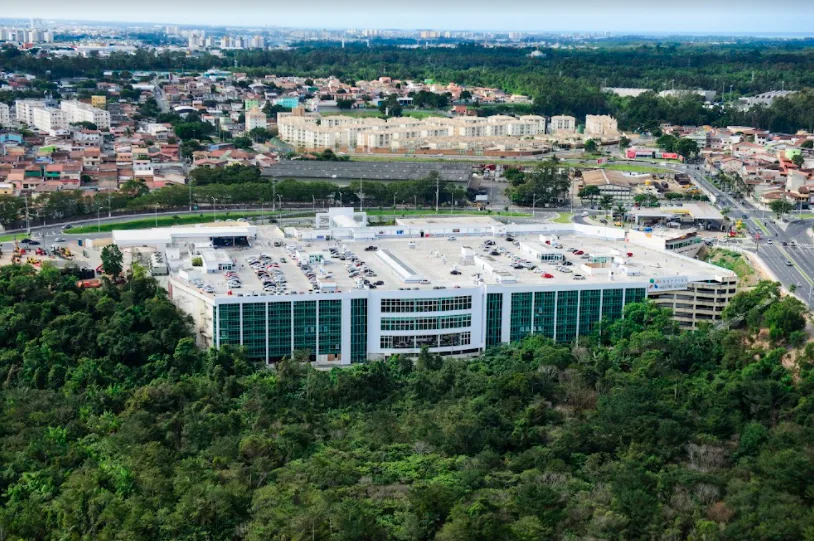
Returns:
(437,192)
(109,206)
(189,182)
(214,218)
(27,222)
(533,204)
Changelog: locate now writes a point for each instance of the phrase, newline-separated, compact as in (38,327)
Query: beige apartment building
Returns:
(562,124)
(601,126)
(313,132)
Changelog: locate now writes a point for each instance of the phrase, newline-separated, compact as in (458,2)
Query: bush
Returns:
(197,262)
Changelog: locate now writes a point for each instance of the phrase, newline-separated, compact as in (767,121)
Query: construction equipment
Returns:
(16,254)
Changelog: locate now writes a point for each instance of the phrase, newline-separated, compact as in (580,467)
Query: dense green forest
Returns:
(114,426)
(562,81)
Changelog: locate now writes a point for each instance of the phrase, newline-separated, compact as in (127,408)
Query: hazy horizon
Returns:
(747,17)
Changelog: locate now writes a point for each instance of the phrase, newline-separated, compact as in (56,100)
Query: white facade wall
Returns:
(25,110)
(5,115)
(48,119)
(76,111)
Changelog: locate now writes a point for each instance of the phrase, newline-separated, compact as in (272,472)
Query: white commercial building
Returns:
(347,292)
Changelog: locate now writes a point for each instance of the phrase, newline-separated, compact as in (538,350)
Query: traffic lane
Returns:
(776,257)
(803,256)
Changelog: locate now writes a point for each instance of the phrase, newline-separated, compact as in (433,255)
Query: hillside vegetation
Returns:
(115,427)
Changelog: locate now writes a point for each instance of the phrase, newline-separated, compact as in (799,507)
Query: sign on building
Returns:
(667,283)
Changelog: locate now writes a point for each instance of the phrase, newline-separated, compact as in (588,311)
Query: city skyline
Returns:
(638,16)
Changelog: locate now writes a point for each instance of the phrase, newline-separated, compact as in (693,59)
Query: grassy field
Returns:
(166,221)
(733,261)
(431,212)
(563,218)
(632,168)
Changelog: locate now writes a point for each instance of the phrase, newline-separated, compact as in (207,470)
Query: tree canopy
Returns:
(115,426)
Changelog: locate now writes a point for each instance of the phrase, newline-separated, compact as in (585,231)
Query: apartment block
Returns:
(5,115)
(76,111)
(48,119)
(562,124)
(601,126)
(24,110)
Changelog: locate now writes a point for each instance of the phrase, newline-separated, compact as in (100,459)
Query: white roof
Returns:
(172,235)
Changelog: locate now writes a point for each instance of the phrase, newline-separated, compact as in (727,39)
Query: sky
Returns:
(639,16)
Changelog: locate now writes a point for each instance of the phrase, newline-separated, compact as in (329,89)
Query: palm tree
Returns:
(606,203)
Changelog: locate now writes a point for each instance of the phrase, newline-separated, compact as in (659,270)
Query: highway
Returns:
(788,251)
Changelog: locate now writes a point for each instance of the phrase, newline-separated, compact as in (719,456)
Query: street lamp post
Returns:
(98,220)
(533,204)
(394,203)
(214,216)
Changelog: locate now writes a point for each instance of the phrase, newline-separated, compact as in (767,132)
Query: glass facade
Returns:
(229,324)
(544,315)
(425,323)
(330,327)
(430,340)
(612,303)
(358,330)
(305,325)
(494,318)
(446,304)
(254,329)
(520,316)
(567,312)
(635,295)
(589,310)
(279,330)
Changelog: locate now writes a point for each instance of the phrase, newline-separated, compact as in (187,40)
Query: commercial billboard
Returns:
(667,283)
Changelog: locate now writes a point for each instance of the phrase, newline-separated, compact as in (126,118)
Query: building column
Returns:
(506,318)
(347,326)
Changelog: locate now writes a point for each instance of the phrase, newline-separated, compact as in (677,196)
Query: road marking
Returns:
(760,225)
(796,265)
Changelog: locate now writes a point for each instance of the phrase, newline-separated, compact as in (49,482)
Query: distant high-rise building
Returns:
(258,42)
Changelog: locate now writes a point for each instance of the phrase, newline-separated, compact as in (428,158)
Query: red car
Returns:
(546,275)
(579,252)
